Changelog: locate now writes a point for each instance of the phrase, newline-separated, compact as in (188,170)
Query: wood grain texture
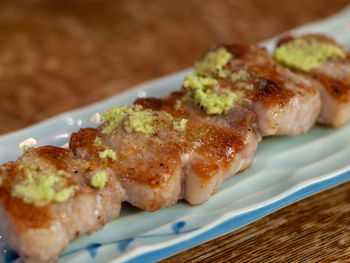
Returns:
(316,229)
(56,55)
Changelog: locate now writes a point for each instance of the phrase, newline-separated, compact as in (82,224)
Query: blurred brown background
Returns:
(59,55)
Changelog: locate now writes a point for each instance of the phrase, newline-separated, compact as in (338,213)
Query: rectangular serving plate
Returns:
(285,170)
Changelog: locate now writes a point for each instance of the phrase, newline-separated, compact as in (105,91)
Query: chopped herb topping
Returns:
(136,119)
(98,142)
(99,180)
(108,154)
(25,148)
(41,186)
(115,116)
(180,125)
(240,75)
(207,93)
(141,121)
(213,63)
(306,54)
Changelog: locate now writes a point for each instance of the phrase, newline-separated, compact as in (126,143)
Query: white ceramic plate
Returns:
(285,169)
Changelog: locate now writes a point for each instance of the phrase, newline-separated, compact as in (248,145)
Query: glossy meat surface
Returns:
(189,165)
(148,168)
(284,102)
(39,233)
(220,145)
(333,77)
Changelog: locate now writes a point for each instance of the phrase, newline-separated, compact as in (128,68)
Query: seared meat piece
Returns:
(322,59)
(219,145)
(285,103)
(148,167)
(188,155)
(49,198)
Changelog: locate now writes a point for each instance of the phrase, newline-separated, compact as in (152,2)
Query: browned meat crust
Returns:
(285,103)
(41,233)
(169,166)
(219,146)
(333,77)
(149,168)
(156,170)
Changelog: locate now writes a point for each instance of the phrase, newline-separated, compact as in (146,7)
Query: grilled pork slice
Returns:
(285,103)
(49,198)
(147,166)
(220,145)
(186,155)
(322,59)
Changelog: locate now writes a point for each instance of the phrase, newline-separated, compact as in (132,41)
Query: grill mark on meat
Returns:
(40,233)
(339,89)
(146,183)
(217,138)
(28,215)
(269,93)
(179,164)
(277,95)
(217,145)
(159,169)
(332,79)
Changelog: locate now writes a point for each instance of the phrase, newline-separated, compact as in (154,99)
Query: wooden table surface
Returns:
(58,55)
